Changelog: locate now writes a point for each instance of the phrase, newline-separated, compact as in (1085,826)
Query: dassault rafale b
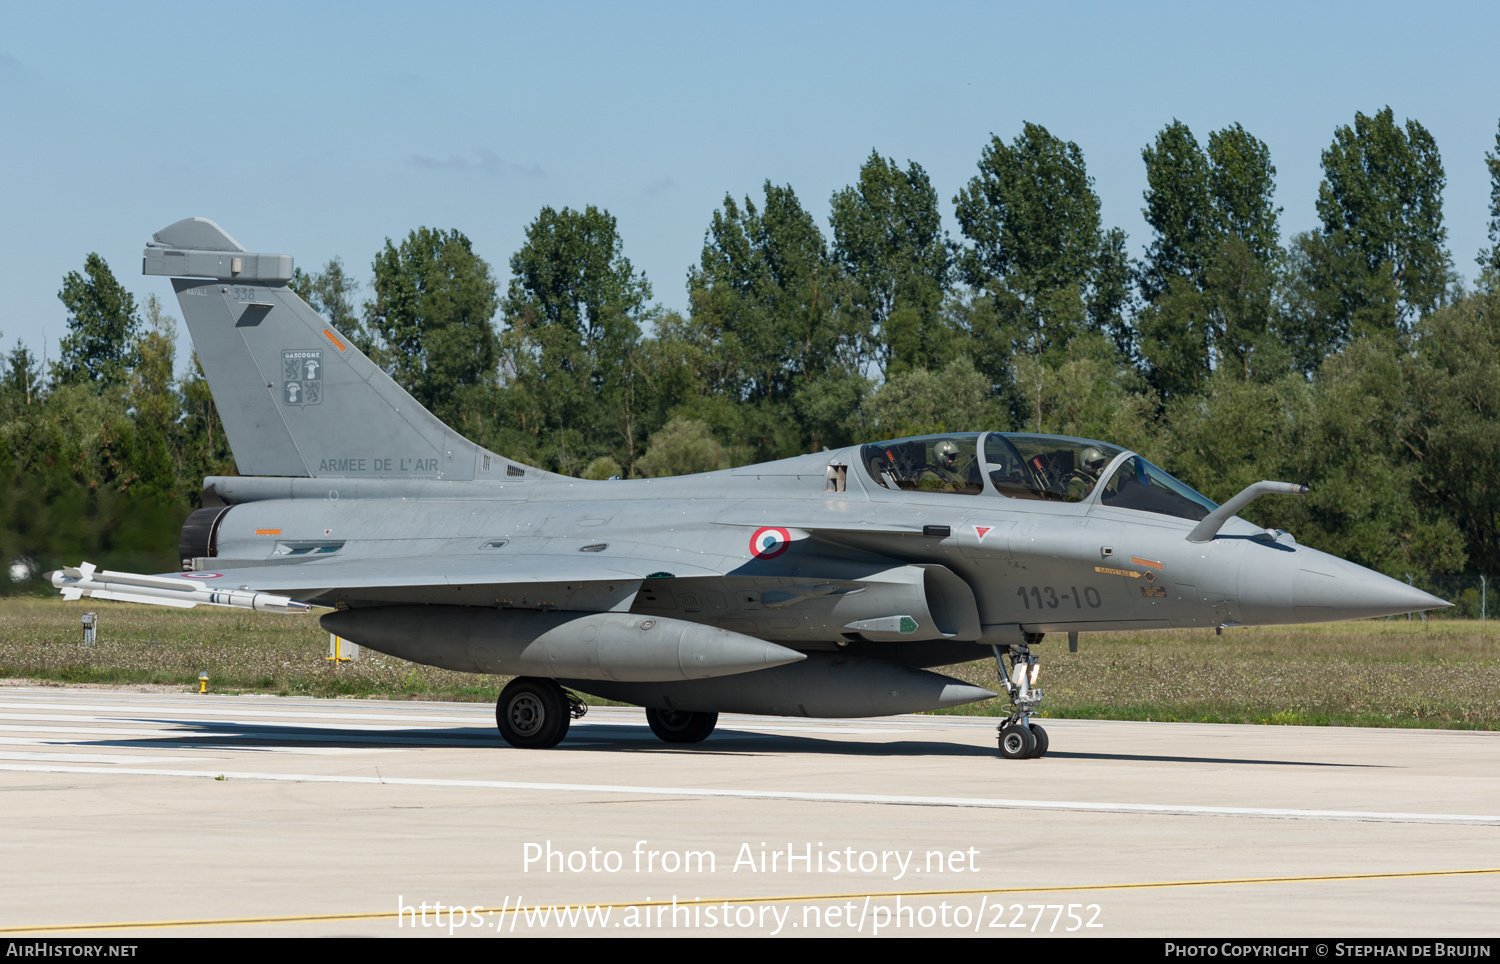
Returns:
(824,585)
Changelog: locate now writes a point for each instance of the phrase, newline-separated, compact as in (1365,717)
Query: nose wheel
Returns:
(1021,739)
(1016,741)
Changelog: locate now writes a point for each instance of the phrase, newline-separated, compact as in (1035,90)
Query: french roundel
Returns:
(769,542)
(200,575)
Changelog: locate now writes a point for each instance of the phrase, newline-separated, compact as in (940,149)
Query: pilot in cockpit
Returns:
(947,473)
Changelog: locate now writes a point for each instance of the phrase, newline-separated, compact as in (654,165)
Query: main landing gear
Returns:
(680,726)
(1021,739)
(534,713)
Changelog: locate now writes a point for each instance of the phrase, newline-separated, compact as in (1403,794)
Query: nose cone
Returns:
(1326,588)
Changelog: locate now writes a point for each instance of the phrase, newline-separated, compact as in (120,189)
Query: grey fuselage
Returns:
(839,574)
(1030,566)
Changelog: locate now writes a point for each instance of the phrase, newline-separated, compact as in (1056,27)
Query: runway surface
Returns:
(133,813)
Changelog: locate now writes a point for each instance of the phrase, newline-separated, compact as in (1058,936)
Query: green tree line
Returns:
(1349,357)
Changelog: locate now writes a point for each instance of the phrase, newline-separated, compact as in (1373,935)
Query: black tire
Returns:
(1016,742)
(1040,735)
(532,713)
(679,726)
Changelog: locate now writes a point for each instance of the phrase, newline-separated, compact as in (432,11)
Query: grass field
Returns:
(1442,673)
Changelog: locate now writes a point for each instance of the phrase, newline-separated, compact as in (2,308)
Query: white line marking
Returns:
(262,721)
(98,757)
(106,712)
(177,744)
(90,731)
(1081,806)
(757,729)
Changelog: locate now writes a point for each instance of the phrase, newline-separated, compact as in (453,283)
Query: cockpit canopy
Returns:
(1046,467)
(930,463)
(1049,468)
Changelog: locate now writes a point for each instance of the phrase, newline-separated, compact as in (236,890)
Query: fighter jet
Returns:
(825,585)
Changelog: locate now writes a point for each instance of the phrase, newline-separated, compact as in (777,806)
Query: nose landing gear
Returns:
(1021,739)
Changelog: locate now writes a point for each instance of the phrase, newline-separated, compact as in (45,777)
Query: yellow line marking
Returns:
(805,898)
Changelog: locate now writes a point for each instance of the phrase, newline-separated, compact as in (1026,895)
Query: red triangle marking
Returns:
(981,530)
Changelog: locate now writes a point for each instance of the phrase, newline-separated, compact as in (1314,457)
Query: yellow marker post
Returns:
(203,682)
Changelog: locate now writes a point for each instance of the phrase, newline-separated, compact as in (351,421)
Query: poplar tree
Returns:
(771,317)
(331,293)
(431,317)
(888,236)
(1037,248)
(102,326)
(767,290)
(1209,274)
(1381,204)
(22,383)
(573,313)
(153,396)
(1196,200)
(1489,258)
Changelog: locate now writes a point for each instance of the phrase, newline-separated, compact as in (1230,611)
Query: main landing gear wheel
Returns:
(1016,742)
(679,726)
(533,713)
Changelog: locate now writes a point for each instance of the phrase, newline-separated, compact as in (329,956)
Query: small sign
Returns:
(340,650)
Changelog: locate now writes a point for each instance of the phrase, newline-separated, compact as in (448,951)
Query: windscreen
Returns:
(1137,484)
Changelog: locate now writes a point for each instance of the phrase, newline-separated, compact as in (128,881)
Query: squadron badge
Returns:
(302,377)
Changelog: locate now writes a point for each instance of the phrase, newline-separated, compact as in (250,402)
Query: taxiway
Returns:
(135,813)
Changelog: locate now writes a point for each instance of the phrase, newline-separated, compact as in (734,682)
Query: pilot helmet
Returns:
(946,453)
(1094,457)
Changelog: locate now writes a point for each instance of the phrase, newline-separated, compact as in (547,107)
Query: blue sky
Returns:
(322,129)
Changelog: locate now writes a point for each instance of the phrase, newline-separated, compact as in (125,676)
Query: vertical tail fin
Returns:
(295,396)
